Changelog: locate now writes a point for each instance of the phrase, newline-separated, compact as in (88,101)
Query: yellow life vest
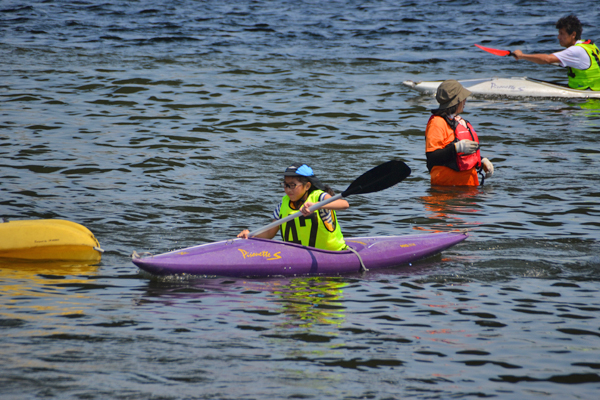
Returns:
(311,231)
(587,78)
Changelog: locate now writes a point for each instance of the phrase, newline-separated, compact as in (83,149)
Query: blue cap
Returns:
(298,169)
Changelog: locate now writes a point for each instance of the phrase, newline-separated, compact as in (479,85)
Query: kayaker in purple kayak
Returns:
(319,229)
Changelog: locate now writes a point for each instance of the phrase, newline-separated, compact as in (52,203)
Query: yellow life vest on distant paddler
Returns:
(587,78)
(311,231)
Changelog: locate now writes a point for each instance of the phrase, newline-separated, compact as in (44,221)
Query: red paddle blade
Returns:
(497,52)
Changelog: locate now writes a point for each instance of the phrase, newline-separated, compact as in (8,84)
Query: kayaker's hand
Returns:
(466,146)
(488,167)
(243,234)
(517,54)
(304,208)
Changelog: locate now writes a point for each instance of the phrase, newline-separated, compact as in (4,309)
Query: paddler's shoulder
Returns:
(437,122)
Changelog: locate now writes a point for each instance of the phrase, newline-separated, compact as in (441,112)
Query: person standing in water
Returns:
(451,143)
(319,229)
(581,57)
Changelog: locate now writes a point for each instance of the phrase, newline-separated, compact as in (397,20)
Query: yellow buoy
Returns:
(48,239)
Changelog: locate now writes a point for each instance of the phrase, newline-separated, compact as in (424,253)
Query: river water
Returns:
(160,125)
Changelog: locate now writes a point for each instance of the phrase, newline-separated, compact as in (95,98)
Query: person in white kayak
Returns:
(581,57)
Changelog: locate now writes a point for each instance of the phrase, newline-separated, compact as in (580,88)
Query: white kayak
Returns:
(511,87)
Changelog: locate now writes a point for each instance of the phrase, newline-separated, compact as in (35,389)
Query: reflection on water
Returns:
(311,300)
(591,104)
(301,302)
(591,107)
(37,290)
(445,205)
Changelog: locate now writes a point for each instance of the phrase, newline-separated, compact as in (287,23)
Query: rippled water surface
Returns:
(160,125)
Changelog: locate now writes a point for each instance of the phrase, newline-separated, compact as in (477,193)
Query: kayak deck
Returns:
(263,257)
(509,87)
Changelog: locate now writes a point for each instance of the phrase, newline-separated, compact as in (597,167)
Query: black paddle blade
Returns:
(379,178)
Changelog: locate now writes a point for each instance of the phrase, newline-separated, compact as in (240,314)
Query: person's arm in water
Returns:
(537,58)
(268,234)
(339,204)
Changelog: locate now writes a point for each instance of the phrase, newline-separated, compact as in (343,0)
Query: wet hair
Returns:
(446,111)
(305,179)
(570,24)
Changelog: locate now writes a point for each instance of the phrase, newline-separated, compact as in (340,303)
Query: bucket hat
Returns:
(450,93)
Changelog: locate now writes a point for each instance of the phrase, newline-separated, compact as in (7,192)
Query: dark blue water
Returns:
(160,126)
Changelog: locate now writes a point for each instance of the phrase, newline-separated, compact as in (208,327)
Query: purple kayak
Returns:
(262,257)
